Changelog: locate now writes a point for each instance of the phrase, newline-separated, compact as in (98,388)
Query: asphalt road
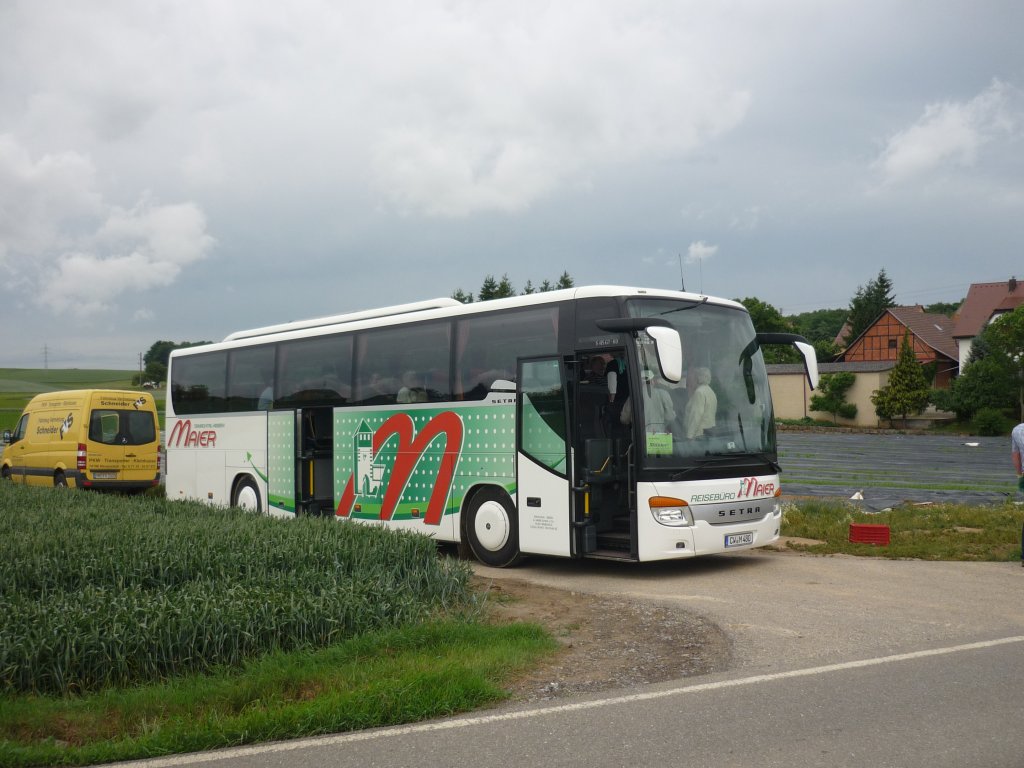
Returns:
(837,661)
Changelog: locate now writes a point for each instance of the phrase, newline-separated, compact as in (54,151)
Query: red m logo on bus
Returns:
(410,451)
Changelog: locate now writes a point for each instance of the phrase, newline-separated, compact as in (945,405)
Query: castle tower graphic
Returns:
(368,474)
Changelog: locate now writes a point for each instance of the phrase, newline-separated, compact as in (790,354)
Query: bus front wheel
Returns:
(247,495)
(492,529)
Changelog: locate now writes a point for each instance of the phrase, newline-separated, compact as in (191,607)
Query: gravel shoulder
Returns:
(607,642)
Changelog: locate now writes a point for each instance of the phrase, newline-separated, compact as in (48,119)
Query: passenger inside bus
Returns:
(701,403)
(411,391)
(659,412)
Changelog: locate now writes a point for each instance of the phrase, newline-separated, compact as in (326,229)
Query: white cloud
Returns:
(42,202)
(951,134)
(493,114)
(700,251)
(67,250)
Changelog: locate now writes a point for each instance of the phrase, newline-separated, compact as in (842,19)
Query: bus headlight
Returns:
(670,511)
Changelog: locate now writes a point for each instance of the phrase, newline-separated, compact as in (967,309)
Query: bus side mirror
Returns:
(810,362)
(7,437)
(805,349)
(669,349)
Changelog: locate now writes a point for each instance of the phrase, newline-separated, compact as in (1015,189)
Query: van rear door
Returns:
(122,442)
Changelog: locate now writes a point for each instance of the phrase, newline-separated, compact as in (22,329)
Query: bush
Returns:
(990,422)
(99,590)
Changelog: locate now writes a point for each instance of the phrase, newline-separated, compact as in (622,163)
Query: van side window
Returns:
(21,429)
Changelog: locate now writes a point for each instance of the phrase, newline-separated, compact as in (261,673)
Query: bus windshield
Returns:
(722,405)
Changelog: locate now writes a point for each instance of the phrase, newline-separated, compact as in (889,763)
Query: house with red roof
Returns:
(984,303)
(930,334)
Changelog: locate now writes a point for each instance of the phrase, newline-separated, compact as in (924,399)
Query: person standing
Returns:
(1017,453)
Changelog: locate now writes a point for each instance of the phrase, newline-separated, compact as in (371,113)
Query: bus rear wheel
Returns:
(60,480)
(492,529)
(247,495)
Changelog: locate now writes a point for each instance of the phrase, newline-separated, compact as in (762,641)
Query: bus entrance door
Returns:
(300,462)
(543,461)
(315,466)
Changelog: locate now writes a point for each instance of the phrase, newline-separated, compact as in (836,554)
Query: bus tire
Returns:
(247,495)
(60,480)
(5,473)
(492,528)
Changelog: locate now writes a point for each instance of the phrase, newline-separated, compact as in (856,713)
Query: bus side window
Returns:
(403,364)
(488,347)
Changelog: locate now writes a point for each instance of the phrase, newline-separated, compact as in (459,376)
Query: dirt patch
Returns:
(606,642)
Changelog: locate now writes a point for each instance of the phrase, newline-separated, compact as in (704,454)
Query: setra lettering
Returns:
(739,512)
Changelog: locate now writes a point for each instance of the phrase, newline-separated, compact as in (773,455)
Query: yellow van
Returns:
(85,438)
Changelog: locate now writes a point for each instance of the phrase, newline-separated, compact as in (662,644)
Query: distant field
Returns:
(19,385)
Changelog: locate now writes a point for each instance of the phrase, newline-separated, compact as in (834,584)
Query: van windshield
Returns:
(122,427)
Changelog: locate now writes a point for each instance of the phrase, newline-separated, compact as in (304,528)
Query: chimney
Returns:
(1012,285)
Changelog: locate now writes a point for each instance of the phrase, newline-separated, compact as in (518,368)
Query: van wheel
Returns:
(247,495)
(5,473)
(59,480)
(492,529)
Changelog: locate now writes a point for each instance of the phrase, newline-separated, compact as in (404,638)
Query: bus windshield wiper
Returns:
(703,300)
(722,457)
(699,462)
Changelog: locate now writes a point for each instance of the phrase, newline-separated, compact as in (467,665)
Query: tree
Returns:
(826,351)
(495,289)
(831,397)
(993,375)
(505,288)
(1006,340)
(155,359)
(947,308)
(489,289)
(819,325)
(767,319)
(160,352)
(907,391)
(868,303)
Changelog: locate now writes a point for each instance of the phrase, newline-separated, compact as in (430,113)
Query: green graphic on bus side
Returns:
(419,464)
(281,460)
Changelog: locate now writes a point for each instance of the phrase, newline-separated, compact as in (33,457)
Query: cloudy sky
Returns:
(178,171)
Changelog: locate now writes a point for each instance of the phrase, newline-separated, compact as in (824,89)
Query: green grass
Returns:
(379,679)
(924,532)
(136,627)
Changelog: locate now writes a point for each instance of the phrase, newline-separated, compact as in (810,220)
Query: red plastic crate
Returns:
(869,533)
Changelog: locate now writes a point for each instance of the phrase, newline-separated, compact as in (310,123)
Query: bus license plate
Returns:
(738,539)
(104,475)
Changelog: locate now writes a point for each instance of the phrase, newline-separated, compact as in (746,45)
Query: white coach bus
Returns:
(597,422)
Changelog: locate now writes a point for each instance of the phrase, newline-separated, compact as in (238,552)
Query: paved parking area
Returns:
(889,469)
